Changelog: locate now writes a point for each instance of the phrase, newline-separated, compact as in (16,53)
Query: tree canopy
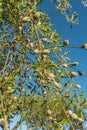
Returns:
(36,77)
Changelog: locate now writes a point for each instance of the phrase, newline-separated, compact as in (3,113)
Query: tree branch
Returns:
(17,125)
(62,106)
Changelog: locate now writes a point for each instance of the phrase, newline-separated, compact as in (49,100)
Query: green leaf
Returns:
(82,115)
(1,9)
(12,1)
(9,91)
(80,96)
(64,121)
(49,126)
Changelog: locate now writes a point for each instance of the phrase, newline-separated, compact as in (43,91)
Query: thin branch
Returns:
(53,3)
(62,46)
(76,47)
(3,70)
(4,120)
(62,106)
(17,125)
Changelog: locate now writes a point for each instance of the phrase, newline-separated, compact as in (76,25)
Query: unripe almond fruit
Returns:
(45,93)
(80,120)
(73,64)
(20,28)
(36,51)
(69,112)
(64,65)
(51,75)
(2,121)
(55,122)
(37,14)
(67,94)
(57,84)
(78,86)
(51,118)
(30,129)
(66,42)
(49,112)
(27,46)
(74,116)
(44,57)
(81,73)
(46,51)
(23,89)
(84,46)
(45,40)
(47,106)
(15,98)
(9,88)
(28,3)
(31,44)
(74,74)
(12,116)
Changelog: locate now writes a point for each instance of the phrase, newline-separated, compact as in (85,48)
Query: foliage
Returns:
(36,81)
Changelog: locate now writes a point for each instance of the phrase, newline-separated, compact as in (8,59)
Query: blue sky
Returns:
(77,35)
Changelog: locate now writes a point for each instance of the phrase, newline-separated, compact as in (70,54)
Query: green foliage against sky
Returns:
(36,78)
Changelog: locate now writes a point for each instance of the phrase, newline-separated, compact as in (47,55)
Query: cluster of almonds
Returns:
(51,77)
(45,51)
(49,112)
(74,116)
(73,74)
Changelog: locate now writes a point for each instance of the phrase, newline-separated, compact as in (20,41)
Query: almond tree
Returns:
(36,79)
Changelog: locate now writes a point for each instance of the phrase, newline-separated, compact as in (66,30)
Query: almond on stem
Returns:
(73,64)
(57,84)
(2,121)
(80,73)
(45,40)
(36,51)
(74,74)
(66,42)
(46,51)
(78,86)
(84,46)
(64,65)
(49,112)
(69,112)
(74,116)
(51,75)
(80,120)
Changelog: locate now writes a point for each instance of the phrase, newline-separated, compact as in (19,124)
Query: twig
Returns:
(62,46)
(62,106)
(3,70)
(17,125)
(4,121)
